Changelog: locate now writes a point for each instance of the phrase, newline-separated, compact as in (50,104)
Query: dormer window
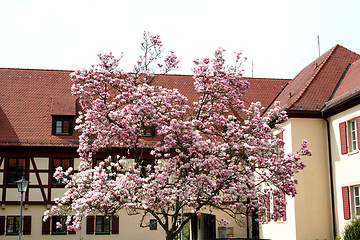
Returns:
(149,132)
(62,125)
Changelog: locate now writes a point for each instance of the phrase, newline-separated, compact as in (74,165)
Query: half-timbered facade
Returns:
(37,119)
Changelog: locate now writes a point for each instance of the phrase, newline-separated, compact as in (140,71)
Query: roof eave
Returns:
(303,114)
(341,106)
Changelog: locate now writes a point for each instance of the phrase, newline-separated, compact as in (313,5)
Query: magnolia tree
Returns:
(209,154)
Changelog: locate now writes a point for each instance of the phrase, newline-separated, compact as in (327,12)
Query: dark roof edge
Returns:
(339,83)
(303,114)
(273,101)
(341,103)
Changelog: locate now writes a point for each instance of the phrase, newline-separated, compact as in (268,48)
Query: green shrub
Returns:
(352,230)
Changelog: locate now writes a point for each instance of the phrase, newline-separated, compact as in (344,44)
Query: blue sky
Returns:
(278,36)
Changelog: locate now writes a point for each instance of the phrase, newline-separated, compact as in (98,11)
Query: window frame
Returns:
(149,131)
(153,224)
(18,174)
(17,224)
(55,182)
(355,198)
(61,119)
(58,231)
(352,135)
(103,220)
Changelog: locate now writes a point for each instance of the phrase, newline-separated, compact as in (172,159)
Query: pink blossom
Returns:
(207,154)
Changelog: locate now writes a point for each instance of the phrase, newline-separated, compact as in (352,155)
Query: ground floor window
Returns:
(356,197)
(58,225)
(102,225)
(153,224)
(12,225)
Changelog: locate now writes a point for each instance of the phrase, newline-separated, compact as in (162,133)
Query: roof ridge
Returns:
(331,51)
(35,69)
(266,78)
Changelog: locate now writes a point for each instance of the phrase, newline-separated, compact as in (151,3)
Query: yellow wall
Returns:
(345,167)
(128,227)
(285,230)
(313,202)
(309,213)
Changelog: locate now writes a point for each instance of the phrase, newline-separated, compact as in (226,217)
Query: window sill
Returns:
(58,233)
(353,152)
(102,233)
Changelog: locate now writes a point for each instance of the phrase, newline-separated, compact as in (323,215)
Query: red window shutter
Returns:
(274,206)
(281,135)
(27,225)
(90,225)
(284,216)
(46,226)
(346,203)
(358,131)
(115,225)
(343,140)
(268,209)
(2,225)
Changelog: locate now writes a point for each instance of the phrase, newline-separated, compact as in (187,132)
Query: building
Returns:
(321,96)
(37,116)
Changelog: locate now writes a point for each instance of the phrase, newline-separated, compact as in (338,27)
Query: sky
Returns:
(278,37)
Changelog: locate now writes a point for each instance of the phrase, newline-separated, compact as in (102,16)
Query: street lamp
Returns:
(22,186)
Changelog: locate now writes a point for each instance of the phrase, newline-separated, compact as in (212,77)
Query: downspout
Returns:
(331,176)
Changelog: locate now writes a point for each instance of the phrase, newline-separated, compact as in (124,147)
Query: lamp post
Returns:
(22,186)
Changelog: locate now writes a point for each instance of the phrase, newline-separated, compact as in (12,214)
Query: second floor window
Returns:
(352,135)
(59,162)
(16,170)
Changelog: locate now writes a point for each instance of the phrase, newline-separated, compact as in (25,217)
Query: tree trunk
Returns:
(169,236)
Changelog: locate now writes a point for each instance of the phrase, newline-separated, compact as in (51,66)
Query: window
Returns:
(352,135)
(12,225)
(153,224)
(54,226)
(351,201)
(59,162)
(356,197)
(102,225)
(149,132)
(147,167)
(16,170)
(349,135)
(62,125)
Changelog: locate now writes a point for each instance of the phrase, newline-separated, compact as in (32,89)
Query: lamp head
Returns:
(22,185)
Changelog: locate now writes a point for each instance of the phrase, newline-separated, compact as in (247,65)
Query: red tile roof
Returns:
(351,80)
(264,90)
(347,93)
(29,97)
(315,84)
(26,98)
